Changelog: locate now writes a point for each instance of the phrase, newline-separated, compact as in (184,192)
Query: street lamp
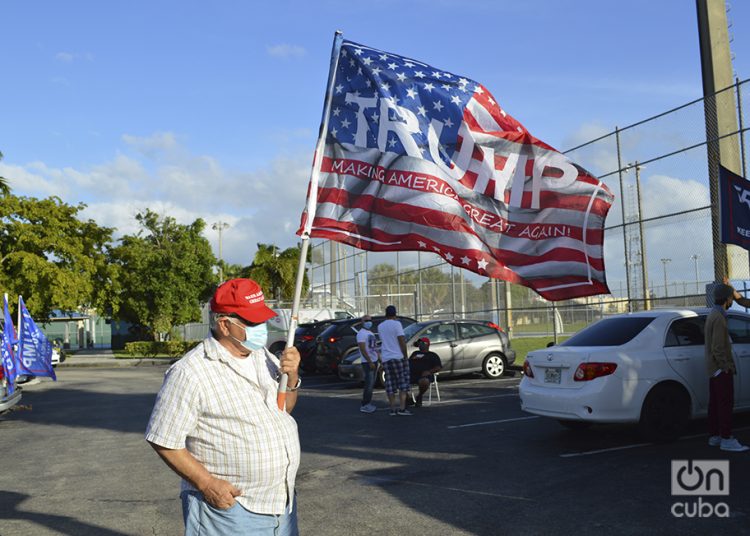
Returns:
(220,226)
(695,258)
(665,262)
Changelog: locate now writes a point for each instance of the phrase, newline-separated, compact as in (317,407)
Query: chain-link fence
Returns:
(658,245)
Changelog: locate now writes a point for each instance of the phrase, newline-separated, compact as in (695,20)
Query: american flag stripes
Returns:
(417,158)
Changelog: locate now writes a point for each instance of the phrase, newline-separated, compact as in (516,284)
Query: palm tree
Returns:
(4,187)
(276,271)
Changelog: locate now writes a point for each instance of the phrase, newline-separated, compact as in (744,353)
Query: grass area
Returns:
(524,345)
(121,354)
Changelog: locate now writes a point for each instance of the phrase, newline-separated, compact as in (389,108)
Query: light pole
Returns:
(695,258)
(665,262)
(220,226)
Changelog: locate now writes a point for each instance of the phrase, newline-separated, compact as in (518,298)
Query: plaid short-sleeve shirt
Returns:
(223,411)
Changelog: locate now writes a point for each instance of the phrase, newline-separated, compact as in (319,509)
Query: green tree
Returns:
(165,272)
(52,258)
(4,187)
(276,271)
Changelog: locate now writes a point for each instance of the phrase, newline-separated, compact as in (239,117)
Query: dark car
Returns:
(340,339)
(463,346)
(305,341)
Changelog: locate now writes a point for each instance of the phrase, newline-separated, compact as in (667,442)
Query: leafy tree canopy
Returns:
(276,271)
(166,273)
(50,257)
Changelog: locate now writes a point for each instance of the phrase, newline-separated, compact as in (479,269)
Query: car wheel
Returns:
(575,425)
(493,366)
(665,413)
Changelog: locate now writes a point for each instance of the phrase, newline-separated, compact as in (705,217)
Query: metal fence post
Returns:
(624,229)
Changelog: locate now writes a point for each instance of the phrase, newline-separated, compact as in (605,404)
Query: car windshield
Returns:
(614,331)
(412,329)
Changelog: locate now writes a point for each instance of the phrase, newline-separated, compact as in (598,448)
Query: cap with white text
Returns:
(242,297)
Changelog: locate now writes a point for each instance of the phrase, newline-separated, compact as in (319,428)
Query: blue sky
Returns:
(211,109)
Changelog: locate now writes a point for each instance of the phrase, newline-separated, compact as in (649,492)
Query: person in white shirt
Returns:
(368,347)
(216,423)
(395,360)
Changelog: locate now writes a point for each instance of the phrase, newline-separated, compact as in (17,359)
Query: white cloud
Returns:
(286,51)
(65,57)
(666,195)
(151,146)
(157,172)
(70,57)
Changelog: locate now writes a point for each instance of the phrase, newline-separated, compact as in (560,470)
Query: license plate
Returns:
(552,375)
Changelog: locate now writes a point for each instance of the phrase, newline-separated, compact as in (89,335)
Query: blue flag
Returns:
(735,208)
(35,350)
(8,340)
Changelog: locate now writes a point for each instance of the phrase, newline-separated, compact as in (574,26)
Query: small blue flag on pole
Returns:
(8,340)
(35,350)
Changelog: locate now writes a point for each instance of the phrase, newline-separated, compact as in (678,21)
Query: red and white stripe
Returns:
(387,202)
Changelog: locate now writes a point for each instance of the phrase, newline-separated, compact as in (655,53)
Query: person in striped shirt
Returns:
(217,424)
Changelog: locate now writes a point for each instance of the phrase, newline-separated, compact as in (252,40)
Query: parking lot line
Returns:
(493,422)
(460,490)
(636,445)
(442,402)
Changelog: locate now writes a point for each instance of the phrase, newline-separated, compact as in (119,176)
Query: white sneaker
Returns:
(714,441)
(367,408)
(732,445)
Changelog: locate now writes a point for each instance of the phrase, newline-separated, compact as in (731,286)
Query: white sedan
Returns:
(647,368)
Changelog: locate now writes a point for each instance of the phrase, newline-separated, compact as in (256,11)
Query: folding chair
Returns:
(429,394)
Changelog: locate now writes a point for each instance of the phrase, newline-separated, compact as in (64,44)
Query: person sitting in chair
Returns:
(423,365)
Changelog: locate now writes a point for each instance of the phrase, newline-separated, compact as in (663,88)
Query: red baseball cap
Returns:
(424,340)
(242,297)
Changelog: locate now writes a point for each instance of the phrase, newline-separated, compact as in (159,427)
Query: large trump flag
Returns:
(412,157)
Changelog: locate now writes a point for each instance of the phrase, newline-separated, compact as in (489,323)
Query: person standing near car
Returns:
(368,347)
(721,371)
(395,360)
(423,365)
(216,423)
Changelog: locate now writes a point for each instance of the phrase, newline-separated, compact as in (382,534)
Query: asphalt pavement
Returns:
(76,463)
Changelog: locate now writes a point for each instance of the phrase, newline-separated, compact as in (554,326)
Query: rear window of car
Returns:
(610,332)
(468,331)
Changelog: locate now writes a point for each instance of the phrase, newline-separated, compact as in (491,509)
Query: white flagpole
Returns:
(311,205)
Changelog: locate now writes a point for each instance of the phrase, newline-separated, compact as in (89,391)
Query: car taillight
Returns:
(333,339)
(527,369)
(306,338)
(588,371)
(495,326)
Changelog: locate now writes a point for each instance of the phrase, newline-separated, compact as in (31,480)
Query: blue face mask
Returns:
(255,336)
(367,325)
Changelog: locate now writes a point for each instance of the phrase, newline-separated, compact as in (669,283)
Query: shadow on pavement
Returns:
(9,510)
(87,409)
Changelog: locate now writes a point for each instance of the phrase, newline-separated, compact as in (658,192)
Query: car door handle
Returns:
(681,359)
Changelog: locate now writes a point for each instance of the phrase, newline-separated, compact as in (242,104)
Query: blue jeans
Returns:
(202,519)
(369,376)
